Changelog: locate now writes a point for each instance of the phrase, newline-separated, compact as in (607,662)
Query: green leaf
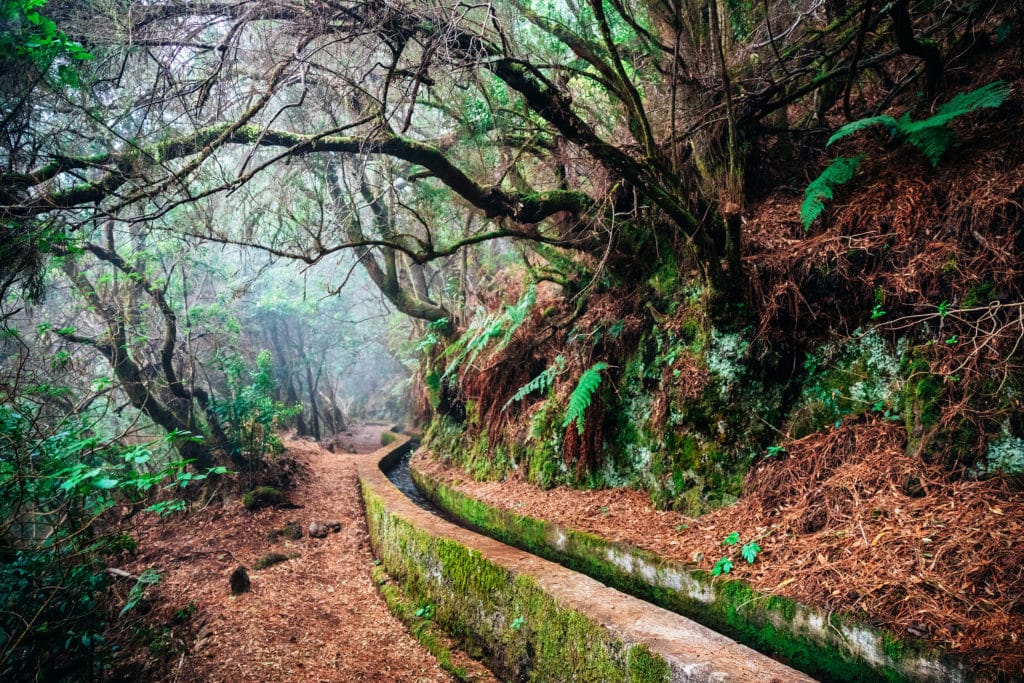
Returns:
(750,551)
(861,124)
(582,395)
(723,566)
(731,539)
(106,483)
(837,173)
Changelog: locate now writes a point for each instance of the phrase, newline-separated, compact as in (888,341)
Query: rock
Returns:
(317,530)
(334,525)
(264,496)
(239,581)
(269,560)
(292,531)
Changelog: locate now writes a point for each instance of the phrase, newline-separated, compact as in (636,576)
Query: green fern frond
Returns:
(932,136)
(582,395)
(541,382)
(484,328)
(987,96)
(932,142)
(837,173)
(516,315)
(861,124)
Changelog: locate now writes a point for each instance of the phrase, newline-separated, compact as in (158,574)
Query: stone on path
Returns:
(239,581)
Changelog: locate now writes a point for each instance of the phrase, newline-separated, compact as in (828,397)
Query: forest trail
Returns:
(317,617)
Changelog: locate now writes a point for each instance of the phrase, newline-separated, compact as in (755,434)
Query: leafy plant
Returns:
(931,136)
(425,611)
(484,329)
(517,623)
(149,577)
(541,382)
(56,479)
(723,566)
(750,551)
(838,172)
(582,395)
(250,412)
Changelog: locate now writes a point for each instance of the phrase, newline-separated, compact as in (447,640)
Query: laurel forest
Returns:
(724,253)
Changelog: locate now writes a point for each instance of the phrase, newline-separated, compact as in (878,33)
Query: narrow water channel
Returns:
(398,472)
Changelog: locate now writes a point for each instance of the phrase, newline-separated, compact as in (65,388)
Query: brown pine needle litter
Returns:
(838,529)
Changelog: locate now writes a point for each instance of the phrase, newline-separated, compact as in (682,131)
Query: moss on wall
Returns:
(830,647)
(521,631)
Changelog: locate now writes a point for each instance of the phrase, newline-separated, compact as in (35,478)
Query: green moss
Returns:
(776,625)
(893,647)
(269,560)
(644,667)
(264,496)
(478,602)
(387,438)
(424,630)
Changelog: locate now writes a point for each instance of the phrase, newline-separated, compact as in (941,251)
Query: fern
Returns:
(823,187)
(541,382)
(516,315)
(582,395)
(861,124)
(931,136)
(483,329)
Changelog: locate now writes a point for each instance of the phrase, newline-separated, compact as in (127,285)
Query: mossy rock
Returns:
(388,438)
(291,531)
(269,560)
(262,497)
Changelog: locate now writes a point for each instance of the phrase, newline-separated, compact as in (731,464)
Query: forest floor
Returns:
(836,528)
(315,617)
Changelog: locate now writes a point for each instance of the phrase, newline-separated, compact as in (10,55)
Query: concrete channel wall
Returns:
(532,619)
(828,645)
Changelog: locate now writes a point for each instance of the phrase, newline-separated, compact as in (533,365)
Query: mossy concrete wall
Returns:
(823,644)
(532,619)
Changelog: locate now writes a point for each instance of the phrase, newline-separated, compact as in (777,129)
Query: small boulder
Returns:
(264,496)
(334,525)
(317,530)
(239,581)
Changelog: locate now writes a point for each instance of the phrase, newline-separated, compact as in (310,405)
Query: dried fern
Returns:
(582,395)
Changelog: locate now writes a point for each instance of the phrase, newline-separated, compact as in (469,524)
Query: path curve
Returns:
(314,618)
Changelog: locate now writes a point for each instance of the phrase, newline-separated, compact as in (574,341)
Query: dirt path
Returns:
(316,617)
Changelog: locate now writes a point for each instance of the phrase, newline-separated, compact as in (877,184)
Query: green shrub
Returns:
(57,477)
(250,414)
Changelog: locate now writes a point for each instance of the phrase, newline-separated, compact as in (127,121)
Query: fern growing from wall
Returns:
(582,396)
(931,136)
(486,328)
(540,383)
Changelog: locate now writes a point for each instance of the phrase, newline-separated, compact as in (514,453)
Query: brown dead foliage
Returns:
(316,617)
(916,234)
(846,521)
